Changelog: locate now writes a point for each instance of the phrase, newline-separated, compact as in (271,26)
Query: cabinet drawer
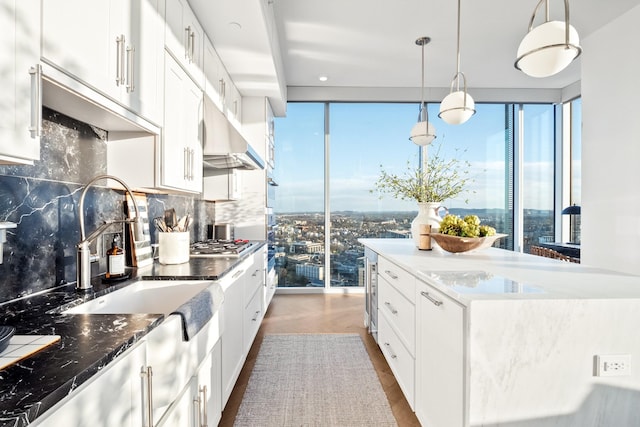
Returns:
(253,315)
(399,312)
(402,280)
(254,278)
(399,359)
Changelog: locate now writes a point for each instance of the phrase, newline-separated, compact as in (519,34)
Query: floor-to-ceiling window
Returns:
(538,174)
(364,136)
(329,157)
(300,197)
(485,141)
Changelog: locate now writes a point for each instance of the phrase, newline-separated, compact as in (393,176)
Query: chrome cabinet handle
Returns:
(130,68)
(390,307)
(120,60)
(391,353)
(198,409)
(192,46)
(255,273)
(203,390)
(237,274)
(430,298)
(35,125)
(193,163)
(148,373)
(255,316)
(187,41)
(185,163)
(391,274)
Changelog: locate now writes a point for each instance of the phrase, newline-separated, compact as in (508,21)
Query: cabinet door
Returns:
(212,67)
(181,152)
(143,27)
(112,398)
(222,185)
(209,399)
(19,52)
(76,37)
(183,411)
(232,342)
(166,358)
(184,37)
(193,114)
(233,104)
(439,359)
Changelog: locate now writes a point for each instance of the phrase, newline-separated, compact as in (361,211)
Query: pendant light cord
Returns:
(458,50)
(422,108)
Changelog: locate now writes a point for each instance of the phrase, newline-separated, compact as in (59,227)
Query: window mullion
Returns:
(327,198)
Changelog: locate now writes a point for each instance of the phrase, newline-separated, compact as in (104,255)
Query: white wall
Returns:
(611,146)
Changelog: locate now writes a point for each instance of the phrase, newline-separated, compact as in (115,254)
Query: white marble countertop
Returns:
(501,274)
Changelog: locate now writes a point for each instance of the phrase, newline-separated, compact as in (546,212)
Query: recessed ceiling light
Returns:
(235,25)
(323,78)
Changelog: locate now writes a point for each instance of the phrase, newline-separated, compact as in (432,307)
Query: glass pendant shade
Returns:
(423,133)
(457,107)
(543,51)
(455,110)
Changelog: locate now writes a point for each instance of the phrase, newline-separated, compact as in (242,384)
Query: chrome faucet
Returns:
(84,255)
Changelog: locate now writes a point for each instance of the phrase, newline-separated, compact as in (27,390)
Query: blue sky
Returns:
(364,136)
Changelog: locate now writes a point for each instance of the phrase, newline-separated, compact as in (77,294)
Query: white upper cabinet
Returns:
(181,151)
(184,38)
(114,46)
(213,66)
(20,103)
(219,86)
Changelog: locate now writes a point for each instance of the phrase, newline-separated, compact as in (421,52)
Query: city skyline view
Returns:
(359,145)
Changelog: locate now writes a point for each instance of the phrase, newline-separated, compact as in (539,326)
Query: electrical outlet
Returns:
(613,365)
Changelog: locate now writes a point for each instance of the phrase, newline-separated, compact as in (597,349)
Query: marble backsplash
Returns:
(43,200)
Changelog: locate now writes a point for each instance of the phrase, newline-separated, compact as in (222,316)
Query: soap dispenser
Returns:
(115,260)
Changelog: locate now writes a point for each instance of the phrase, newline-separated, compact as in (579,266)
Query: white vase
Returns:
(427,214)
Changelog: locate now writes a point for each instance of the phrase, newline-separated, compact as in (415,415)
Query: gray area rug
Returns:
(314,380)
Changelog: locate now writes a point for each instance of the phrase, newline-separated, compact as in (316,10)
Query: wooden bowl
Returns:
(458,244)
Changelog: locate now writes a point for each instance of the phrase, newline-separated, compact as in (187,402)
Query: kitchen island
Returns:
(89,343)
(495,337)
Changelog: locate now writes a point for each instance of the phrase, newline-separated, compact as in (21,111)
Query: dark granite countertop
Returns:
(88,342)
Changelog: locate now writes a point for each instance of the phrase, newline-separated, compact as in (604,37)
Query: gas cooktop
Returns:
(219,248)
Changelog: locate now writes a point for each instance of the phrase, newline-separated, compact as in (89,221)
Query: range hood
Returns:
(224,147)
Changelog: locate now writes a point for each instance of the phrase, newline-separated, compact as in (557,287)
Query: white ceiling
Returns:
(371,43)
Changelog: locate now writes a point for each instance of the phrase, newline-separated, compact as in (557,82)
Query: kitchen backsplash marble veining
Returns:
(43,200)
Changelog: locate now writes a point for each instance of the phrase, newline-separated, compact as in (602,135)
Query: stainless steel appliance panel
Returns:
(371,292)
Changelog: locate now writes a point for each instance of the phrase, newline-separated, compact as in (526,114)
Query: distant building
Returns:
(397,234)
(310,271)
(305,248)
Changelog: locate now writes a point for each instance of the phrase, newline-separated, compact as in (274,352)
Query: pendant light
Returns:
(550,47)
(457,107)
(423,132)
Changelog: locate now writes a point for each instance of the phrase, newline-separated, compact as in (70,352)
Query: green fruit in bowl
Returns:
(469,226)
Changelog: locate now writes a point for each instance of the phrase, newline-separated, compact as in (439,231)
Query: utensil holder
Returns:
(173,247)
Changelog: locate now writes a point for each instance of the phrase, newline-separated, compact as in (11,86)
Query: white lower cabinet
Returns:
(242,315)
(199,403)
(232,343)
(439,359)
(162,381)
(396,324)
(112,397)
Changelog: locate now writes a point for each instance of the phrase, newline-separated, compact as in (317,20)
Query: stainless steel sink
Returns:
(143,296)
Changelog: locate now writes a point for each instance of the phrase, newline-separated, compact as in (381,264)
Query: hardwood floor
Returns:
(321,313)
